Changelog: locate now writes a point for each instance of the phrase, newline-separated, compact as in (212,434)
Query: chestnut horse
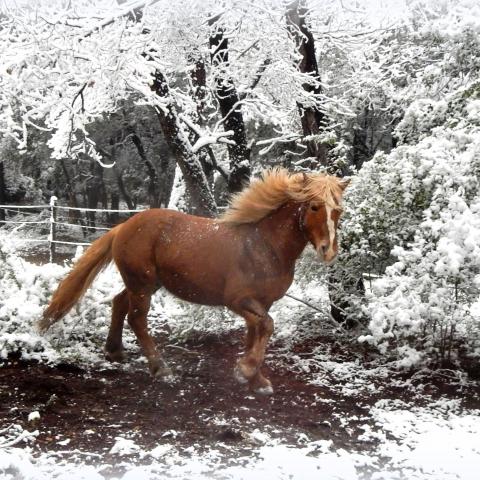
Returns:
(244,260)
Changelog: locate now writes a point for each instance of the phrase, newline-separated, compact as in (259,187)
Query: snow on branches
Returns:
(62,68)
(417,210)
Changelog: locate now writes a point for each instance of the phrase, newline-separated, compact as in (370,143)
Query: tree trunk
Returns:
(153,187)
(341,286)
(3,192)
(113,217)
(201,197)
(230,109)
(199,83)
(314,121)
(123,191)
(313,118)
(95,191)
(75,216)
(167,167)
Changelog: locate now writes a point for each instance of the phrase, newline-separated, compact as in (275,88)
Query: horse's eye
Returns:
(314,207)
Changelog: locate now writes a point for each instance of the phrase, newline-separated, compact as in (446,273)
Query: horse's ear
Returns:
(305,177)
(344,184)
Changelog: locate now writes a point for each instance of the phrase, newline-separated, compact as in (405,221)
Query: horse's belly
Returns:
(265,289)
(193,289)
(274,289)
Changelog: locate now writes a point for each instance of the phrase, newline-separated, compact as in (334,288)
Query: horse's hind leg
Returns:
(114,346)
(137,319)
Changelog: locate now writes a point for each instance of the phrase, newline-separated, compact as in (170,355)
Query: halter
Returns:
(301,219)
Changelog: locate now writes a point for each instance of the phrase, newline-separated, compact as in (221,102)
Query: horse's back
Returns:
(186,254)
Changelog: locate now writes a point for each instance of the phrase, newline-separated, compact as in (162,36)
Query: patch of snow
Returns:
(32,416)
(124,446)
(159,451)
(429,442)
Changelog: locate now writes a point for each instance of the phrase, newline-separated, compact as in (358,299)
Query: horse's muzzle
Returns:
(326,255)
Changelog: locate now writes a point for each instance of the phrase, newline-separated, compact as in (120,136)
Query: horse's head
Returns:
(318,195)
(320,223)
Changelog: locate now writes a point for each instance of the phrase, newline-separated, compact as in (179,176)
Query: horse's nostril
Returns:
(322,250)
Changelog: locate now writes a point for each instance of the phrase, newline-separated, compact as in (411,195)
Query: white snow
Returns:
(32,416)
(124,446)
(433,442)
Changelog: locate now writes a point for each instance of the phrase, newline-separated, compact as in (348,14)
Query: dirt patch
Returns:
(113,402)
(205,407)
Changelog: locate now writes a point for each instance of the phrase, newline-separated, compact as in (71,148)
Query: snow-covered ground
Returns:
(439,441)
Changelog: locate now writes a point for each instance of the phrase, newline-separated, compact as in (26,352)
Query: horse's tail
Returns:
(71,289)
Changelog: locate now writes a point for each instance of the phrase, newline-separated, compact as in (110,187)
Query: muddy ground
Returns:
(205,407)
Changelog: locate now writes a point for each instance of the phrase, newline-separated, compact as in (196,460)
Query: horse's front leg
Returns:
(137,319)
(259,331)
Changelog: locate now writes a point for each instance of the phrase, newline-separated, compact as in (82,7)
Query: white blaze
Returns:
(330,225)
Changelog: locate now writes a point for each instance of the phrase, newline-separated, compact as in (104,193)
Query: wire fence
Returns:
(54,219)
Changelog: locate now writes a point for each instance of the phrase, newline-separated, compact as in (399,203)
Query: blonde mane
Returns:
(278,186)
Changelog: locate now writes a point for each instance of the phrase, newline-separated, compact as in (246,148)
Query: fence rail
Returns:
(53,209)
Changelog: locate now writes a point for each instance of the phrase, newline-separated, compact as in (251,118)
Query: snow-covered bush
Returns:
(413,217)
(25,290)
(427,302)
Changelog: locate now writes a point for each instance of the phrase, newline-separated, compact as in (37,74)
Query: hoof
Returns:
(159,369)
(261,385)
(239,376)
(264,391)
(170,379)
(115,356)
(245,369)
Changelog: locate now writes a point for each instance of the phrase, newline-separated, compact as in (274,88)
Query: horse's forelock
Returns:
(323,188)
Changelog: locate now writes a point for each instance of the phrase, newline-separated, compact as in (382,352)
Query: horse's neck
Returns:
(282,229)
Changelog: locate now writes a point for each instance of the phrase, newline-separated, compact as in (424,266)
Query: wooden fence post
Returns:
(53,218)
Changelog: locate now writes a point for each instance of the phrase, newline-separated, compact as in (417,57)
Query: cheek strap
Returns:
(301,220)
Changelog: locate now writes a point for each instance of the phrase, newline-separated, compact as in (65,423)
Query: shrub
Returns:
(412,219)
